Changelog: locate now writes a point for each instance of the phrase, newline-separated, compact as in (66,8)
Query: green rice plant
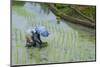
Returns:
(64,44)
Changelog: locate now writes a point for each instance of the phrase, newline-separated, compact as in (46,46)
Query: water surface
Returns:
(67,42)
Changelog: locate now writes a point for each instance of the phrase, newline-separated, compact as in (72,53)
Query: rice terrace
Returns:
(71,35)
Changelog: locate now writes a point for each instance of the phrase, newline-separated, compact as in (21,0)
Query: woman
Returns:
(33,36)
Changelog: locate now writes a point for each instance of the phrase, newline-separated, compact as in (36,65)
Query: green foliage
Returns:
(64,8)
(60,6)
(90,11)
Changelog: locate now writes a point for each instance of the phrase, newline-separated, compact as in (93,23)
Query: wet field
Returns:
(66,43)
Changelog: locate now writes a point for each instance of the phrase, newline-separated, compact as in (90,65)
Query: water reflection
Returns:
(66,42)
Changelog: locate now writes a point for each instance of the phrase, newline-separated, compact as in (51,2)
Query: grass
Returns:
(64,43)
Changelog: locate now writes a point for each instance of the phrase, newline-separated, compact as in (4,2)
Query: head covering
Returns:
(42,31)
(29,31)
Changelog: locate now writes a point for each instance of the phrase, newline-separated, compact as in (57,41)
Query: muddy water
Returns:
(67,42)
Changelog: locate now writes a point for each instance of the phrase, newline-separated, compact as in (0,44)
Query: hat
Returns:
(42,31)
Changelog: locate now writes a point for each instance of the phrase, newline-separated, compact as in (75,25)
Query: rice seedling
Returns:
(64,43)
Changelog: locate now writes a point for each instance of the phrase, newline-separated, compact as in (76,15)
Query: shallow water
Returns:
(67,42)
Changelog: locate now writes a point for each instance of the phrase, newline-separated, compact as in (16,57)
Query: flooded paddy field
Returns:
(67,42)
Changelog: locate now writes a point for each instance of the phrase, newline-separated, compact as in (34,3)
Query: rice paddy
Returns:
(66,43)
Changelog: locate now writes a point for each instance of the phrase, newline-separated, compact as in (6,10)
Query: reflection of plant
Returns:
(44,8)
(18,3)
(58,19)
(30,51)
(64,43)
(21,11)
